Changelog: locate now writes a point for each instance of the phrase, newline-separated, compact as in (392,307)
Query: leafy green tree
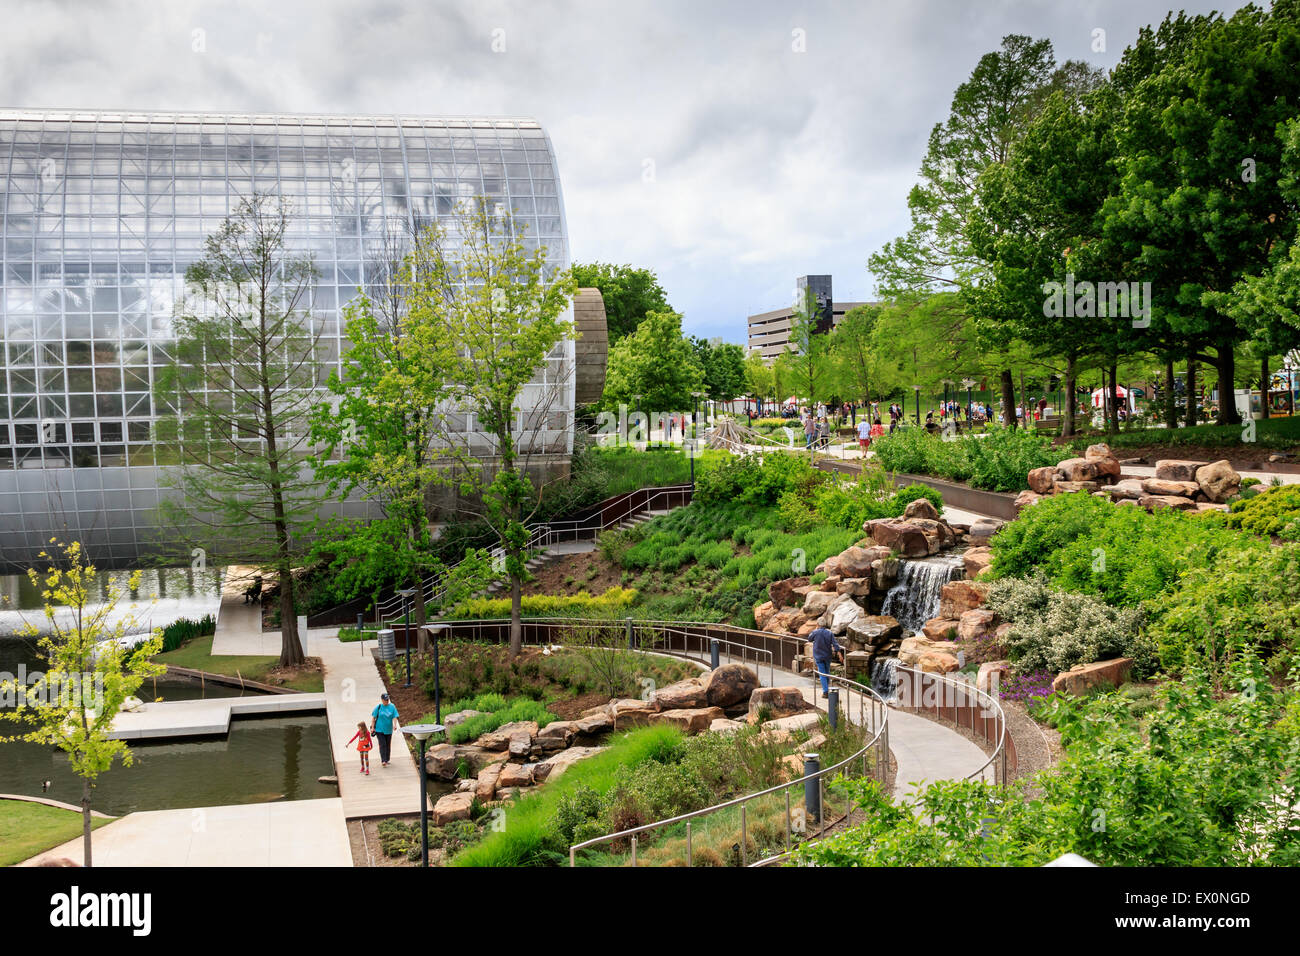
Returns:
(91,667)
(808,359)
(238,398)
(723,366)
(853,348)
(657,363)
(630,295)
(490,313)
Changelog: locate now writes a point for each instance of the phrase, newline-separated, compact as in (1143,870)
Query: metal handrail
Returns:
(880,740)
(987,703)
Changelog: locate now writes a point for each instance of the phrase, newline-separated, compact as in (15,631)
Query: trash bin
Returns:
(387,645)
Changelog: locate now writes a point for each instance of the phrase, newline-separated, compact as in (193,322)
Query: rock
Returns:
(1107,469)
(857,662)
(514,736)
(691,721)
(855,587)
(1160,486)
(777,701)
(814,743)
(553,767)
(937,662)
(468,785)
(595,724)
(729,685)
(1079,680)
(976,624)
(686,693)
(328,779)
(939,530)
(1042,479)
(855,562)
(1218,481)
(783,727)
(782,592)
(631,712)
(486,785)
(792,766)
(515,775)
(921,508)
(452,806)
(1076,469)
(976,560)
(940,628)
(831,565)
(958,597)
(1070,487)
(763,613)
(1175,469)
(1100,450)
(477,758)
(521,746)
(1126,501)
(564,729)
(725,726)
(1204,506)
(1154,502)
(1025,499)
(991,675)
(816,603)
(874,630)
(839,616)
(1127,488)
(441,761)
(451,720)
(787,620)
(904,537)
(828,584)
(807,628)
(884,572)
(910,651)
(983,530)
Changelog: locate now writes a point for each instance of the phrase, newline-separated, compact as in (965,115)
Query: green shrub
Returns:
(582,604)
(998,460)
(183,629)
(1274,511)
(518,709)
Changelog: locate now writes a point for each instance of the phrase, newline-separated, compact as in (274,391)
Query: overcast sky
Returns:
(693,138)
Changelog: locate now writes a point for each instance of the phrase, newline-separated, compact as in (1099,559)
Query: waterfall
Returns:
(884,677)
(915,598)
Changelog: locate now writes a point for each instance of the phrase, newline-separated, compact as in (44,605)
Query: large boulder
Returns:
(991,675)
(884,572)
(782,592)
(1127,488)
(976,624)
(854,587)
(441,761)
(1042,479)
(485,787)
(940,534)
(816,603)
(694,720)
(1069,487)
(595,723)
(776,702)
(1025,499)
(787,620)
(763,613)
(555,765)
(1099,450)
(958,597)
(975,560)
(686,693)
(1084,677)
(1108,469)
(831,565)
(1218,481)
(1076,469)
(452,806)
(451,720)
(921,508)
(729,685)
(1177,502)
(1176,469)
(515,775)
(855,562)
(1161,486)
(983,530)
(841,614)
(912,649)
(904,537)
(940,628)
(874,630)
(937,662)
(516,737)
(783,727)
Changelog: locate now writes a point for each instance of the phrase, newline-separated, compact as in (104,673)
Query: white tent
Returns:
(1099,395)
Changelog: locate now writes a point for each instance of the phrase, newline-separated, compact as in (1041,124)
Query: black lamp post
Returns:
(917,389)
(406,594)
(970,402)
(422,733)
(436,631)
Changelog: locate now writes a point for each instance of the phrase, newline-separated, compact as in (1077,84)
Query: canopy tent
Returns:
(1099,395)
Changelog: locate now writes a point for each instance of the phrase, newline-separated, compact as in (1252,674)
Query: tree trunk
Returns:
(290,646)
(1263,386)
(1171,410)
(1067,425)
(516,616)
(1008,398)
(85,821)
(1113,425)
(1190,417)
(1226,365)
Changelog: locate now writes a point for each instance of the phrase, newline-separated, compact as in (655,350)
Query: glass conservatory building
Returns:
(102,215)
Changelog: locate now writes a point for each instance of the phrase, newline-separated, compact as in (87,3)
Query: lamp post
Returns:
(967,382)
(422,733)
(406,594)
(695,414)
(435,630)
(917,389)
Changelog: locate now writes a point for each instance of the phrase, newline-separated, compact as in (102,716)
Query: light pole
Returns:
(436,631)
(695,414)
(969,400)
(406,594)
(917,389)
(422,733)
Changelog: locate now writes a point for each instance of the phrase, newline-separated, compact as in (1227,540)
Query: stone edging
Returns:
(53,803)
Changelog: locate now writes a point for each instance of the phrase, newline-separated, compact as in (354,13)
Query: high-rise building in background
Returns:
(769,332)
(104,212)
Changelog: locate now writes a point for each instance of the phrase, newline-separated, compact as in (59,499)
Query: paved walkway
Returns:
(285,833)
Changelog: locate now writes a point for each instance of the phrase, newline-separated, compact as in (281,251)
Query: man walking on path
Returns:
(381,725)
(824,647)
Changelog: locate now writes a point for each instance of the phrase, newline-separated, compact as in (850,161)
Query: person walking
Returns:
(381,725)
(824,648)
(809,430)
(365,744)
(864,436)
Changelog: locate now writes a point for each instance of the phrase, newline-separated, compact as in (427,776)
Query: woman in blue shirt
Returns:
(381,725)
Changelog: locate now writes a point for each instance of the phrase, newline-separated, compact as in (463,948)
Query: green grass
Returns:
(520,708)
(613,603)
(27,829)
(529,838)
(628,469)
(1269,433)
(197,654)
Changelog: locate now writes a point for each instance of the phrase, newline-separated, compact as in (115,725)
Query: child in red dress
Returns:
(364,745)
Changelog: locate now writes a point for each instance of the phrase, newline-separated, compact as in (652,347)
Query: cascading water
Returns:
(915,598)
(884,678)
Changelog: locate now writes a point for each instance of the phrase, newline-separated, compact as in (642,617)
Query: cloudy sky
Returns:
(729,146)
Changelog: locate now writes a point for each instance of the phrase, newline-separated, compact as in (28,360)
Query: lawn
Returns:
(197,654)
(1275,433)
(27,829)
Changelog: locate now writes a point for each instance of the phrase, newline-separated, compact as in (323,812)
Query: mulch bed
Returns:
(568,574)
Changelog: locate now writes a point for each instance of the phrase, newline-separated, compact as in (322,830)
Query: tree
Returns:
(238,398)
(490,312)
(723,366)
(853,347)
(630,295)
(657,363)
(91,667)
(759,380)
(808,359)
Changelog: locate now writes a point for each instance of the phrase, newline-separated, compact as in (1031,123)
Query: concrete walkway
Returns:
(286,833)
